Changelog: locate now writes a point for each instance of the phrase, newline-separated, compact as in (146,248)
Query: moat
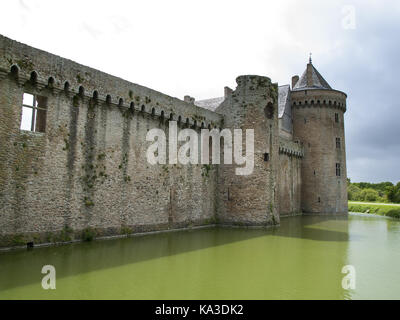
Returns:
(302,259)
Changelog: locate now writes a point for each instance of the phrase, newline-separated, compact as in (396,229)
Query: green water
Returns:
(302,259)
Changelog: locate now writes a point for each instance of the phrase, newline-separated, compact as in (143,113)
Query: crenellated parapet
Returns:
(319,98)
(43,70)
(291,148)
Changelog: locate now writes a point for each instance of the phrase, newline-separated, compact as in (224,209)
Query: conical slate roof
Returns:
(311,79)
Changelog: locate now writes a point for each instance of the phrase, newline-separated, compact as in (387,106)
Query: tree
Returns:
(354,192)
(369,195)
(393,193)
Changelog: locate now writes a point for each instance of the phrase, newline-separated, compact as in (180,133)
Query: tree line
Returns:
(374,192)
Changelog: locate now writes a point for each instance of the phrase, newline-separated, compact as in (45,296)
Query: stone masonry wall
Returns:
(89,171)
(290,157)
(315,125)
(252,199)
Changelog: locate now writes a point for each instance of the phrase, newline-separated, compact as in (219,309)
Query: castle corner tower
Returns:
(318,122)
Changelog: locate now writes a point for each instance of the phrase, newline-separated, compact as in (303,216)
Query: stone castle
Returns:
(73,152)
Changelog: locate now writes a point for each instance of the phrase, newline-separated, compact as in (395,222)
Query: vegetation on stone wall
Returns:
(88,234)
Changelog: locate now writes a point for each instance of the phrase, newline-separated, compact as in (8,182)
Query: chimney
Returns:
(295,79)
(188,99)
(227,92)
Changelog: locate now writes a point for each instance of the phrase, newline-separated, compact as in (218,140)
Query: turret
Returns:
(252,199)
(318,122)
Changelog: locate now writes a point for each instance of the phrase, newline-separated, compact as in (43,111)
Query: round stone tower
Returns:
(318,122)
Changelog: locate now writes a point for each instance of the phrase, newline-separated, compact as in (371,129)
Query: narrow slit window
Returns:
(34,109)
(337,143)
(337,117)
(338,169)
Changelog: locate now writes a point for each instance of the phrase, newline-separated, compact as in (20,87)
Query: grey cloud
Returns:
(364,64)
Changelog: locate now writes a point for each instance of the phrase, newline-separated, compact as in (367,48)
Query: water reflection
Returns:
(301,259)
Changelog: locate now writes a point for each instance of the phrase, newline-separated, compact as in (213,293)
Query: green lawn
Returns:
(381,209)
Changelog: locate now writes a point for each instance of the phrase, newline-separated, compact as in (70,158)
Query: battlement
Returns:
(25,63)
(319,98)
(292,148)
(252,83)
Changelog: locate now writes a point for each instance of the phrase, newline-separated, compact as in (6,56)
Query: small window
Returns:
(337,143)
(337,169)
(266,157)
(319,199)
(269,111)
(34,109)
(337,117)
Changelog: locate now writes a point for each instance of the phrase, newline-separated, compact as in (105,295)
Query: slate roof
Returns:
(318,82)
(214,103)
(210,104)
(283,96)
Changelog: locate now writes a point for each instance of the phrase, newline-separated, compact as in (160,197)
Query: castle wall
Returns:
(88,170)
(89,167)
(289,182)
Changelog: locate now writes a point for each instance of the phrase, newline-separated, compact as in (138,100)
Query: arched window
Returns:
(34,77)
(14,71)
(66,86)
(50,82)
(81,91)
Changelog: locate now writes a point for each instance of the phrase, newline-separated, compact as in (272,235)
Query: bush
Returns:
(354,192)
(394,213)
(393,193)
(384,210)
(88,234)
(369,195)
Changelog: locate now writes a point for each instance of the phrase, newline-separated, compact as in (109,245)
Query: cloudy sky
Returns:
(198,47)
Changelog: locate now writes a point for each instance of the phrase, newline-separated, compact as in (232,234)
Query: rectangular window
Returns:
(338,169)
(34,109)
(337,117)
(337,143)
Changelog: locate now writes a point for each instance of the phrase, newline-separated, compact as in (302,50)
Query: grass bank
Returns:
(380,209)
